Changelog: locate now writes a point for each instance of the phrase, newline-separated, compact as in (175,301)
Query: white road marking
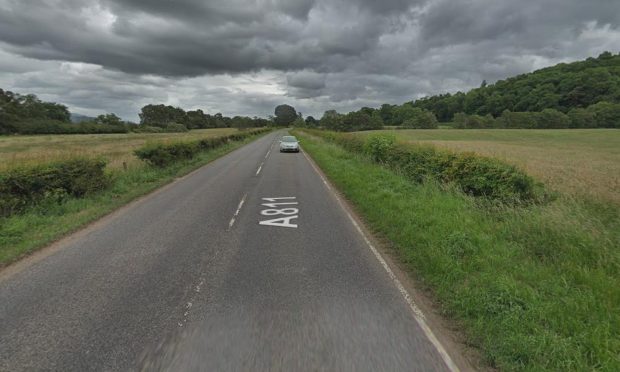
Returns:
(268,152)
(232,220)
(259,168)
(275,209)
(417,313)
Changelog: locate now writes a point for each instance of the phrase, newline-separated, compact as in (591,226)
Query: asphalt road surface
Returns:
(249,263)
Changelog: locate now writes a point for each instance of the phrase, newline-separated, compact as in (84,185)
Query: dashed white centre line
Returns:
(259,168)
(232,220)
(268,152)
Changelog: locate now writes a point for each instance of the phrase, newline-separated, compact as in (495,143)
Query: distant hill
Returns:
(78,118)
(562,87)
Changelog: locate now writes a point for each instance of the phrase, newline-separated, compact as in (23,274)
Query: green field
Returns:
(40,225)
(533,287)
(579,162)
(115,148)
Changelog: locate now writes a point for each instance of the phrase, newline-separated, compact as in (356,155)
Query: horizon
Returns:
(246,58)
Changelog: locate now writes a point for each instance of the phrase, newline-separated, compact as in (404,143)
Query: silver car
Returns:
(289,144)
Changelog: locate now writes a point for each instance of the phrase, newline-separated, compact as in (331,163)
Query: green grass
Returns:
(24,233)
(533,288)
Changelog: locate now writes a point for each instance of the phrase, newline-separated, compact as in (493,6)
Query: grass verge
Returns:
(533,288)
(39,226)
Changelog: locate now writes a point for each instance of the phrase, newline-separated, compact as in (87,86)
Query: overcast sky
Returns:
(245,57)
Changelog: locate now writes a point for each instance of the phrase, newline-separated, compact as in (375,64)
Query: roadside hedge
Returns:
(164,154)
(475,175)
(27,186)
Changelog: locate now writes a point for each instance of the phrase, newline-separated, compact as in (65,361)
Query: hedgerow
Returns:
(475,175)
(164,154)
(27,186)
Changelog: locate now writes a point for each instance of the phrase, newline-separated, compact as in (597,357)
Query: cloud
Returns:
(244,57)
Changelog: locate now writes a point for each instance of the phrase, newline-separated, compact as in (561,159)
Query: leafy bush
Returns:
(475,175)
(161,155)
(27,186)
(164,154)
(379,146)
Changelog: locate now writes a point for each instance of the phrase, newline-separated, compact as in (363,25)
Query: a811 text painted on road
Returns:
(281,210)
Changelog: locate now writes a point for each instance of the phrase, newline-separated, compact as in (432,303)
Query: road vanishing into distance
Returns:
(249,263)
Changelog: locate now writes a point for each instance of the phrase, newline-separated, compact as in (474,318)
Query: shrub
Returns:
(475,175)
(164,154)
(379,146)
(26,186)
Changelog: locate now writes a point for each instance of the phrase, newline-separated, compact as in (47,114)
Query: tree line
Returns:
(583,94)
(27,114)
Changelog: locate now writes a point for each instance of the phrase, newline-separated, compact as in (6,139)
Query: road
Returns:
(201,275)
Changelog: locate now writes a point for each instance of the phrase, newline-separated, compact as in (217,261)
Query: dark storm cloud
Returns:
(319,54)
(193,37)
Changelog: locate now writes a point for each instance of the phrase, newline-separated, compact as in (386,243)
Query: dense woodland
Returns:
(583,94)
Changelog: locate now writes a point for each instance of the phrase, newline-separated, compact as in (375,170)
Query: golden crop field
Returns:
(576,162)
(115,148)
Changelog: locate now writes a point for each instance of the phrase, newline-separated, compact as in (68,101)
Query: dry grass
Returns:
(574,162)
(116,148)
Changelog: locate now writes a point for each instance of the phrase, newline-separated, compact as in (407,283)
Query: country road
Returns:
(249,263)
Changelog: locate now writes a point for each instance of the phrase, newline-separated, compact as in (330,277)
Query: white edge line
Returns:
(232,220)
(417,313)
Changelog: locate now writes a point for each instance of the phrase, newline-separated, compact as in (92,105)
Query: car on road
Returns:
(289,144)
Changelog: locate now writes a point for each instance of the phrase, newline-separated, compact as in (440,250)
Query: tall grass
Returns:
(534,288)
(116,148)
(579,162)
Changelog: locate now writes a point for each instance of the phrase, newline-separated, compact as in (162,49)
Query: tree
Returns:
(581,118)
(196,119)
(421,119)
(162,115)
(359,120)
(553,119)
(108,119)
(606,114)
(285,115)
(331,120)
(403,113)
(311,122)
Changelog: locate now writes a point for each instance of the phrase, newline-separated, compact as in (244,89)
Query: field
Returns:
(533,287)
(26,232)
(580,162)
(116,148)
